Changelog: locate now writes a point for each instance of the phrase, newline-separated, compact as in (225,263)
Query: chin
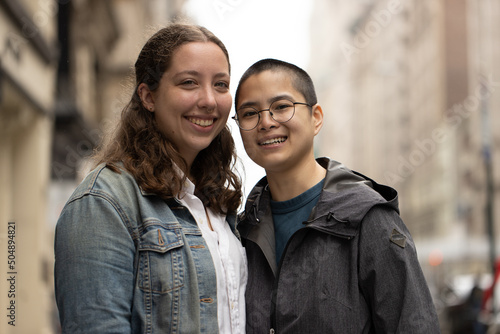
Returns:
(200,146)
(268,164)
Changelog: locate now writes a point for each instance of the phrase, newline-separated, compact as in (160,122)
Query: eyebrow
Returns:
(196,73)
(271,100)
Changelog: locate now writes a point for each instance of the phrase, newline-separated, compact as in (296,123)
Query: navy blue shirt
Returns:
(288,216)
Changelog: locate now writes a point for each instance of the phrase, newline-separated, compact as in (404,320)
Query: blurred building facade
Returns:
(411,97)
(65,75)
(27,92)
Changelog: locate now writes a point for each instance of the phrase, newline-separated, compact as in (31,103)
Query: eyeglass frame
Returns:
(270,113)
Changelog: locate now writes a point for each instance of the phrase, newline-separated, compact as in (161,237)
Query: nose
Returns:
(207,99)
(266,121)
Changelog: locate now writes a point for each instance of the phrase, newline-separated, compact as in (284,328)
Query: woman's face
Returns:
(192,102)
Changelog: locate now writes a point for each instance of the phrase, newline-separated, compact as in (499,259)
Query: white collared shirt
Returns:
(229,260)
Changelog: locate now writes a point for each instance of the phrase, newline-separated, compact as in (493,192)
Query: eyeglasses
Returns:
(281,111)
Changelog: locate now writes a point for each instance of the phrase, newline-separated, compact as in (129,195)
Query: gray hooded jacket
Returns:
(352,268)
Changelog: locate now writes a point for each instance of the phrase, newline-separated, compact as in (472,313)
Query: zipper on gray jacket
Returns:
(271,331)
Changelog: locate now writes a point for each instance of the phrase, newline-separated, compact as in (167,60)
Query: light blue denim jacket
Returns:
(128,262)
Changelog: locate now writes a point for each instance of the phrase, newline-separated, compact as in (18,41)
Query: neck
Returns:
(291,183)
(178,167)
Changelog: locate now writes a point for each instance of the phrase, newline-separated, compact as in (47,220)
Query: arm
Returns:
(391,278)
(94,268)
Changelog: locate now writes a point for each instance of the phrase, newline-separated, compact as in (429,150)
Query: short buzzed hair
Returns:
(301,81)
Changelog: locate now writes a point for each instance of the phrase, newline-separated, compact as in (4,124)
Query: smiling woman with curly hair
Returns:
(147,242)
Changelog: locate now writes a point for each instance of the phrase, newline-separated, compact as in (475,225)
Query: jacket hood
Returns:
(345,199)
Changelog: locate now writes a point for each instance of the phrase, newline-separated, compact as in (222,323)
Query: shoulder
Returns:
(383,216)
(350,195)
(104,190)
(104,181)
(382,223)
(108,195)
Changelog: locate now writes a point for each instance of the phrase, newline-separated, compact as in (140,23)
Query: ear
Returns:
(317,114)
(146,96)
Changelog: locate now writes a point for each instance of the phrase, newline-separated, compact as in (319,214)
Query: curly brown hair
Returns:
(149,156)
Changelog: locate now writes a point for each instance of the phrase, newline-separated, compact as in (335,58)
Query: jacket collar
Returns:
(345,199)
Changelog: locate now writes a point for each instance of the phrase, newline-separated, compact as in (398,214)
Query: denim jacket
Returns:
(351,269)
(129,262)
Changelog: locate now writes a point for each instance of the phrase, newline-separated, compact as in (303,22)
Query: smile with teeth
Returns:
(273,141)
(201,122)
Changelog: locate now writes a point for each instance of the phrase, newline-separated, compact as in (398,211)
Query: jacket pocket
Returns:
(161,264)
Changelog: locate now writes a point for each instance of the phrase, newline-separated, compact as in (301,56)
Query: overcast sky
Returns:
(253,30)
